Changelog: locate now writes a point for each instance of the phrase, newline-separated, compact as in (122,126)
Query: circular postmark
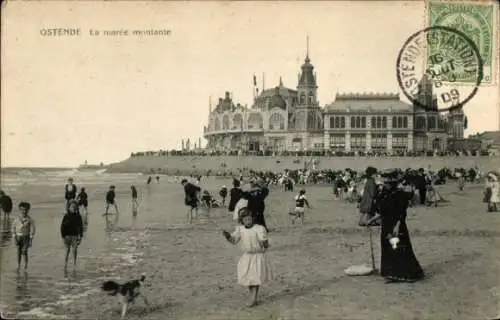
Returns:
(439,68)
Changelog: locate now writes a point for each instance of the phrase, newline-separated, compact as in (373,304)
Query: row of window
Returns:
(378,122)
(377,140)
(431,122)
(277,121)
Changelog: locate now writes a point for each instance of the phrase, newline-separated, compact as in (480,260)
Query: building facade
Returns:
(285,119)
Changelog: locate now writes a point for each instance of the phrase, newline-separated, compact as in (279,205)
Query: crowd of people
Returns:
(382,199)
(73,224)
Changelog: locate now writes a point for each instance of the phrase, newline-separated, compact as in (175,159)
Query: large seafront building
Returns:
(284,119)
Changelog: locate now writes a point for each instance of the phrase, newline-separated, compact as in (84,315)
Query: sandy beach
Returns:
(192,269)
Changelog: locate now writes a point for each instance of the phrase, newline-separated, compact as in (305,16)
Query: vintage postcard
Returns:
(250,160)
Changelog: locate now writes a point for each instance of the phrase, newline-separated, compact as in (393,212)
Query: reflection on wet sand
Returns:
(22,291)
(5,231)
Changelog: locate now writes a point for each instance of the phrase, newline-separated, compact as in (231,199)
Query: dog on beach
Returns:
(126,293)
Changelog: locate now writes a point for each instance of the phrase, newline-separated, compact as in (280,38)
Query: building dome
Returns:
(277,100)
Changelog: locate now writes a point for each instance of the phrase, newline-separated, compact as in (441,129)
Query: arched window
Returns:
(225,122)
(311,121)
(337,122)
(300,121)
(311,97)
(384,122)
(342,122)
(358,122)
(276,121)
(374,122)
(405,122)
(353,122)
(363,122)
(400,122)
(394,122)
(255,121)
(238,121)
(379,122)
(302,99)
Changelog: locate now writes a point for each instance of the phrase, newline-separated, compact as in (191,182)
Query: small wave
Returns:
(100,171)
(40,313)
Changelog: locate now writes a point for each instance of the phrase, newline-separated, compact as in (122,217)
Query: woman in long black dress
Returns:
(399,264)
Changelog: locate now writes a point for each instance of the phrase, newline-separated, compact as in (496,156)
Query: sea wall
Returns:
(185,165)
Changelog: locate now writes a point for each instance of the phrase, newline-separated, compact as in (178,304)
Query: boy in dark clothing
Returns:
(110,200)
(5,204)
(83,203)
(191,198)
(72,231)
(69,191)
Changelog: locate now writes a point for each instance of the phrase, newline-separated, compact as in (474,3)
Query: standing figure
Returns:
(398,261)
(235,194)
(110,200)
(367,206)
(206,201)
(256,197)
(83,203)
(135,203)
(300,206)
(223,195)
(69,191)
(23,229)
(461,181)
(191,193)
(71,232)
(493,198)
(5,204)
(253,267)
(149,180)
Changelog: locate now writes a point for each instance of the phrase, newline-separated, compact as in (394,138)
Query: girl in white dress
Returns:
(253,266)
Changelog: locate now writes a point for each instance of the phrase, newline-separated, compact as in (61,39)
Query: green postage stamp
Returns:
(477,21)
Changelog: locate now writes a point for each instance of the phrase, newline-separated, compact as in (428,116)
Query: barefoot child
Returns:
(110,200)
(83,204)
(72,232)
(23,229)
(300,206)
(253,266)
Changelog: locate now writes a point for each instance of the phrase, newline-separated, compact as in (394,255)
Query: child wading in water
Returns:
(253,267)
(135,203)
(23,229)
(83,204)
(72,232)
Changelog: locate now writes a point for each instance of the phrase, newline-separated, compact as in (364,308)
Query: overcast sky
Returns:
(70,99)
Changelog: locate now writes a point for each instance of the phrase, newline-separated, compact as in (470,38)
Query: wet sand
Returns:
(192,269)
